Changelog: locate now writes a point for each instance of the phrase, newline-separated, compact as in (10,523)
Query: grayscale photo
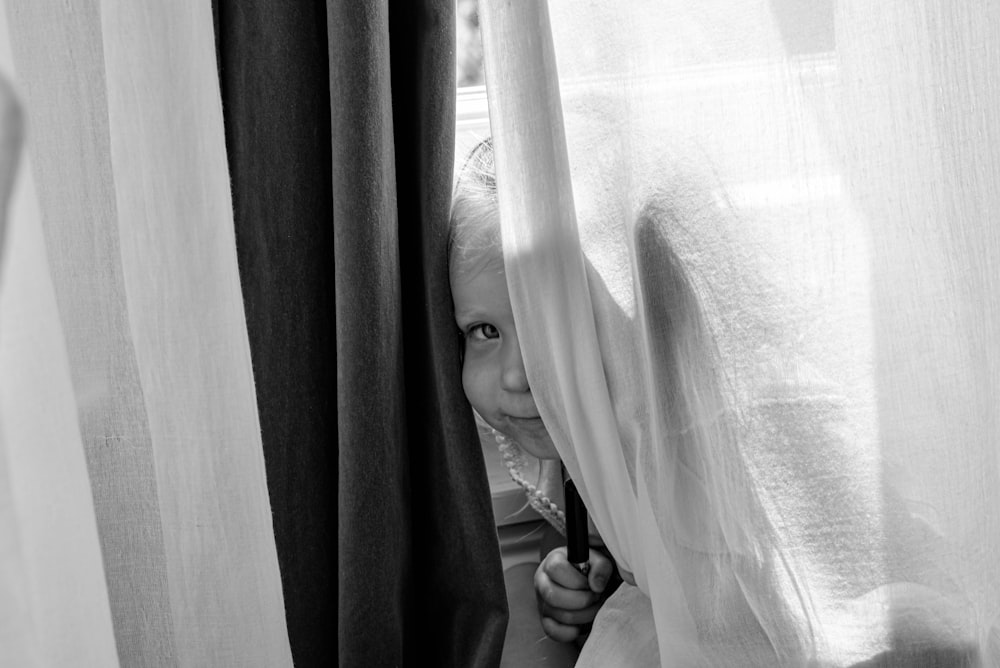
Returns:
(499,334)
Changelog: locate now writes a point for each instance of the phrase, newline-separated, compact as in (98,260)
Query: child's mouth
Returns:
(526,422)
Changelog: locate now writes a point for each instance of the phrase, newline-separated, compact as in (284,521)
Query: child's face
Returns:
(493,370)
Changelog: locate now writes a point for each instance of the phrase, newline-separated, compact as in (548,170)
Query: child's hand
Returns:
(568,601)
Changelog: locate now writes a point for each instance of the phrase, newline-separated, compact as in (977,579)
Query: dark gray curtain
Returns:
(340,131)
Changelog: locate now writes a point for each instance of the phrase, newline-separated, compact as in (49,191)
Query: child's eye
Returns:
(483,332)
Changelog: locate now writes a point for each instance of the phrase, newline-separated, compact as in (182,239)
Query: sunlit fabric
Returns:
(54,611)
(141,509)
(752,263)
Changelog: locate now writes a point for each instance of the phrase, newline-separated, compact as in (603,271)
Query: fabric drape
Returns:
(340,130)
(226,258)
(128,158)
(55,611)
(753,274)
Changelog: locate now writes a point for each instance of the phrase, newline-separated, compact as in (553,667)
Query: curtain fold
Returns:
(340,128)
(54,611)
(458,585)
(232,430)
(275,80)
(768,228)
(128,156)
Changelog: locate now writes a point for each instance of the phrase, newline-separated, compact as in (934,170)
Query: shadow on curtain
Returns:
(339,129)
(792,441)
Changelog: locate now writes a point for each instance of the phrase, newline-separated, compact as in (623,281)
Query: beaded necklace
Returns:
(538,494)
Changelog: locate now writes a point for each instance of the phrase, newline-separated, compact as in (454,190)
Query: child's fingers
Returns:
(551,593)
(559,632)
(601,569)
(563,573)
(570,617)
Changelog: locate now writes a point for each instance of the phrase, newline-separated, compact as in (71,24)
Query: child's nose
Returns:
(513,378)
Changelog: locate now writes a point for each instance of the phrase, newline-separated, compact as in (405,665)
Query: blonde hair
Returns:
(474,226)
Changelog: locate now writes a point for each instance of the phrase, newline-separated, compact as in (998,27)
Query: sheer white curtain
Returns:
(55,606)
(754,272)
(133,507)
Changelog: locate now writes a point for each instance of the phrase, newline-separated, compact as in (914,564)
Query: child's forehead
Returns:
(475,243)
(469,263)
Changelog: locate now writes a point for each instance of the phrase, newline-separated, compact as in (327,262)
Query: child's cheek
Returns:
(474,383)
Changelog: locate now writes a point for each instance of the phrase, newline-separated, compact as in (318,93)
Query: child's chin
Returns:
(542,448)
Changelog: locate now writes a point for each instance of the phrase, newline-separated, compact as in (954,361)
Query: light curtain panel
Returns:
(135,485)
(754,268)
(54,608)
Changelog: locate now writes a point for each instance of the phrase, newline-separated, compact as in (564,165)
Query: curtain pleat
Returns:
(768,227)
(340,137)
(376,538)
(129,158)
(935,250)
(207,290)
(54,611)
(457,585)
(67,55)
(275,85)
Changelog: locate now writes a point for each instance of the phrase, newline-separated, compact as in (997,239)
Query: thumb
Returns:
(601,569)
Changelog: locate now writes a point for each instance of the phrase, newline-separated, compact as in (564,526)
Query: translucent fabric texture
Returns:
(751,259)
(54,611)
(135,515)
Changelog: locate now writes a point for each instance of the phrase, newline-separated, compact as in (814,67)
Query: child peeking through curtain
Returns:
(717,489)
